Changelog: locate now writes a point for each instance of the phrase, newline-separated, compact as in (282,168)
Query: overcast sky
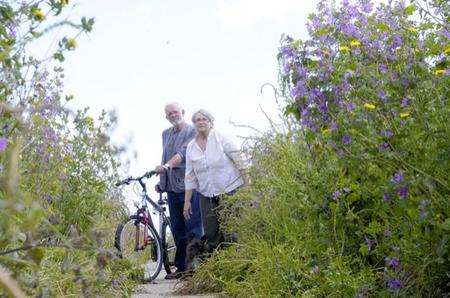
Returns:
(213,54)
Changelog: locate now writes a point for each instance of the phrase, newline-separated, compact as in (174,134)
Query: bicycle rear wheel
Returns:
(150,258)
(168,243)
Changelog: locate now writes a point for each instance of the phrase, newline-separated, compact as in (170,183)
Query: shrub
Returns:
(57,207)
(352,199)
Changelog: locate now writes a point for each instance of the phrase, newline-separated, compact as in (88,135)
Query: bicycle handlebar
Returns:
(131,179)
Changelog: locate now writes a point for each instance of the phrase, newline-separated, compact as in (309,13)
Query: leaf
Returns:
(410,9)
(87,24)
(383,27)
(36,254)
(59,56)
(446,224)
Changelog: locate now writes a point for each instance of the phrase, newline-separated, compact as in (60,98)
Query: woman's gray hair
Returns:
(204,113)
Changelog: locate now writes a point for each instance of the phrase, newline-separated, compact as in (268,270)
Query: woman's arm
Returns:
(187,209)
(236,155)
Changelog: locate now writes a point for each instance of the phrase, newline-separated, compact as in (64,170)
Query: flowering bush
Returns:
(353,199)
(57,208)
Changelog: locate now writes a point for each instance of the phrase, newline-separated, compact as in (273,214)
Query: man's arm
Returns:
(180,156)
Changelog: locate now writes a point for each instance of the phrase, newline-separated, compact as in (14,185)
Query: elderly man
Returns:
(172,171)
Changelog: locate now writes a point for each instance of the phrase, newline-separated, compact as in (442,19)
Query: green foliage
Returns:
(352,200)
(58,210)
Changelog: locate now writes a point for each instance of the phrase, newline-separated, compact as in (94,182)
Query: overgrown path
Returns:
(162,288)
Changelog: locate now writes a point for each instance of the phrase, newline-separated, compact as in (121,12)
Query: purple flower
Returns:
(405,102)
(346,140)
(350,106)
(1,168)
(367,6)
(398,177)
(301,71)
(387,233)
(403,192)
(369,243)
(386,197)
(333,126)
(299,90)
(336,195)
(286,68)
(382,68)
(387,133)
(382,95)
(287,52)
(394,284)
(3,143)
(383,146)
(392,262)
(397,41)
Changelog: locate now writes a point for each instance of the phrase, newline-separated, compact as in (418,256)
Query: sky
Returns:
(213,54)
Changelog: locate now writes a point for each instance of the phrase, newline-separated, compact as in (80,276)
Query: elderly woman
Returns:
(214,166)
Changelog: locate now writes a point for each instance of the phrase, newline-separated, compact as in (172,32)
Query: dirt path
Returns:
(161,288)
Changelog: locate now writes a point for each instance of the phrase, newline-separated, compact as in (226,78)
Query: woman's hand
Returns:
(187,210)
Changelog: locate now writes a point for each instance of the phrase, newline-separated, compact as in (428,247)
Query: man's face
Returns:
(174,114)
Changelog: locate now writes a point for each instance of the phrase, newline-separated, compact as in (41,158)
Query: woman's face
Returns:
(202,124)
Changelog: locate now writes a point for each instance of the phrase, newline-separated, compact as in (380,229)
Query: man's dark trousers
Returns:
(181,227)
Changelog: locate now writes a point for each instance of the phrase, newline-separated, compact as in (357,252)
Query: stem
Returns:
(9,284)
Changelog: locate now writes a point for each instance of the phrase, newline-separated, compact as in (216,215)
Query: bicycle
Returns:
(137,238)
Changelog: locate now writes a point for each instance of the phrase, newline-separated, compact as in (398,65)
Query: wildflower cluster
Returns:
(371,86)
(353,195)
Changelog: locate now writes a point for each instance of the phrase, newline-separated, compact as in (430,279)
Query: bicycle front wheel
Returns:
(130,241)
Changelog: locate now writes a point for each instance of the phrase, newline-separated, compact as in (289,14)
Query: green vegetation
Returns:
(352,197)
(58,210)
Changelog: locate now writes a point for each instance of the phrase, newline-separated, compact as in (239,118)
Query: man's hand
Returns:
(159,169)
(162,169)
(187,210)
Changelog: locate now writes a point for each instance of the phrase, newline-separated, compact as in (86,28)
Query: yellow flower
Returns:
(412,29)
(344,49)
(326,130)
(71,44)
(64,2)
(38,15)
(404,115)
(369,106)
(447,50)
(355,43)
(439,72)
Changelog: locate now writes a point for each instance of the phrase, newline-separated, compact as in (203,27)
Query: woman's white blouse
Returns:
(216,170)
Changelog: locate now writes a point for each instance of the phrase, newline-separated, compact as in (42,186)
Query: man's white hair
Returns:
(172,103)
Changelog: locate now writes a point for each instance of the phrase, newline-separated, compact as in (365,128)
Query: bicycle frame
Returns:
(143,214)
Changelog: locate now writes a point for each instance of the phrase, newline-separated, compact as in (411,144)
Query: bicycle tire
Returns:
(168,244)
(150,258)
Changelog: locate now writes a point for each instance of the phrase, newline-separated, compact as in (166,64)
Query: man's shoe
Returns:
(174,275)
